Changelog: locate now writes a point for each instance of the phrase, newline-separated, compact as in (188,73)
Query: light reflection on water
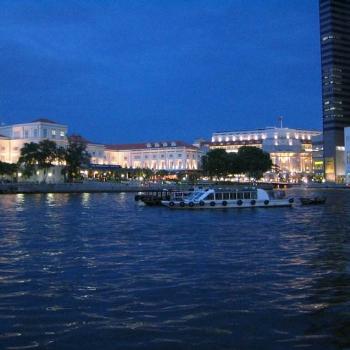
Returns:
(93,271)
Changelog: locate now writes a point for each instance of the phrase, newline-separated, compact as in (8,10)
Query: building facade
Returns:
(13,137)
(290,149)
(165,155)
(335,60)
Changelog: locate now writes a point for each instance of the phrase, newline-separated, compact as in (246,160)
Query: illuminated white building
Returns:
(166,155)
(290,149)
(13,137)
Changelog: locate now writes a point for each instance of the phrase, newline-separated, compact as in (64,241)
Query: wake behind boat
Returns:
(228,198)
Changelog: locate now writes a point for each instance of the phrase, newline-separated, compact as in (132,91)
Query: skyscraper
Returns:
(335,58)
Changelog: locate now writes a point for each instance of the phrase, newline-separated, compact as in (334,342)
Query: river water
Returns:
(99,271)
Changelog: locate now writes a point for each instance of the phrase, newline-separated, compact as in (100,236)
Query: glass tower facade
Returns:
(335,59)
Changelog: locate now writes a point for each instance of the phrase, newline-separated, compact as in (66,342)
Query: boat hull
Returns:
(273,203)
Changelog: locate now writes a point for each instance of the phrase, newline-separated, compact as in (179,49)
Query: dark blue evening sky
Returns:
(129,71)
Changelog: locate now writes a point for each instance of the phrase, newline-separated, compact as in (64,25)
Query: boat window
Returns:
(218,196)
(254,195)
(210,196)
(239,195)
(233,195)
(225,195)
(246,195)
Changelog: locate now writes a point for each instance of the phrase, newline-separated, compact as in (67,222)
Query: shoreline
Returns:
(107,187)
(103,187)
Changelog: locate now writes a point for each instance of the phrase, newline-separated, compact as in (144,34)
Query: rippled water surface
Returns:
(98,271)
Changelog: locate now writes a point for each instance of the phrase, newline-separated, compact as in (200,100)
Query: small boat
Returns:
(313,200)
(246,197)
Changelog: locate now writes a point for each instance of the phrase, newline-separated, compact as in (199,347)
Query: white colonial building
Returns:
(165,155)
(13,137)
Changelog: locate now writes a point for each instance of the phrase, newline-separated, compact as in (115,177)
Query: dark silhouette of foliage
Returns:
(8,169)
(39,156)
(254,161)
(76,157)
(249,160)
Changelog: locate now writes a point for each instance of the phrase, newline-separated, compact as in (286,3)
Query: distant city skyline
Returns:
(130,72)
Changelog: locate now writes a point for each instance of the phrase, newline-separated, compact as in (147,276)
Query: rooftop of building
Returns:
(44,120)
(268,128)
(79,138)
(150,145)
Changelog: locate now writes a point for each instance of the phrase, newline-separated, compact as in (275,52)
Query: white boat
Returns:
(251,197)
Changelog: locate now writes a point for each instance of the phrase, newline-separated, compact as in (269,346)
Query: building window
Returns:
(62,134)
(45,133)
(35,132)
(26,134)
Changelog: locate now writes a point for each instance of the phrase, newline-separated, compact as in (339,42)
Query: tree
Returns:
(76,157)
(47,155)
(8,169)
(216,162)
(254,161)
(29,158)
(249,160)
(39,156)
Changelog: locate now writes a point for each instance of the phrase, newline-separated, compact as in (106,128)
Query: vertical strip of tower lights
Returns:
(335,62)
